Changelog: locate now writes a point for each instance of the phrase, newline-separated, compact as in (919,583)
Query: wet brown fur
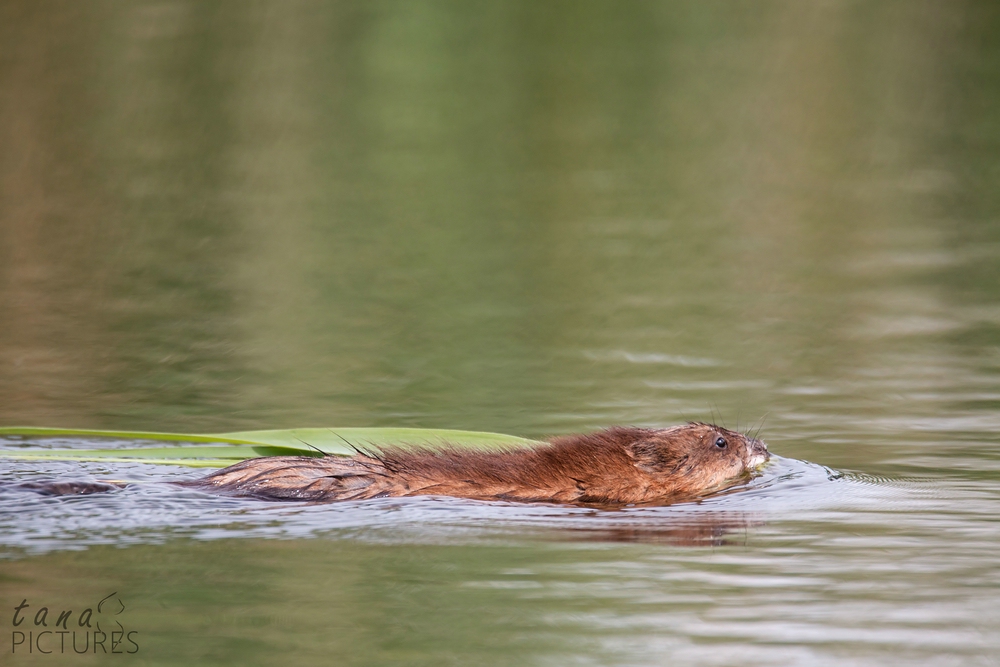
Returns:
(617,466)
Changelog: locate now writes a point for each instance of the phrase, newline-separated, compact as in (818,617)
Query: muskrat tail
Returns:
(308,478)
(70,488)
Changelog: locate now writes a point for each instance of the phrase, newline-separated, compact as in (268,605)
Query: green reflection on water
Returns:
(320,601)
(474,215)
(336,601)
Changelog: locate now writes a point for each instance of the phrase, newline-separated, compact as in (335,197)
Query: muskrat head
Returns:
(697,456)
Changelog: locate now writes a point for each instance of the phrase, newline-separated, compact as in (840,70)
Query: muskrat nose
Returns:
(758,453)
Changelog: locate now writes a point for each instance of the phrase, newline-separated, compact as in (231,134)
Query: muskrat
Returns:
(616,466)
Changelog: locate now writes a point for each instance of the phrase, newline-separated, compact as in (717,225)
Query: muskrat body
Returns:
(617,466)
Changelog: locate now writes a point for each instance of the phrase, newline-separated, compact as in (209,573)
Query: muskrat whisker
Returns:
(760,428)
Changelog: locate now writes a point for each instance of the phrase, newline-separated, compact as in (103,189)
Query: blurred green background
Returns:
(519,216)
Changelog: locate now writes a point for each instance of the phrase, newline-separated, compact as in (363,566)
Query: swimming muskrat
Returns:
(616,466)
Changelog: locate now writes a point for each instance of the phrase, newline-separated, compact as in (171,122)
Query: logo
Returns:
(98,629)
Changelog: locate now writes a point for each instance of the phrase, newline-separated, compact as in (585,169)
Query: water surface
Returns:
(523,218)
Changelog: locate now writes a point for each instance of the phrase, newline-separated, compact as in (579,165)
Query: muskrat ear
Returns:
(653,456)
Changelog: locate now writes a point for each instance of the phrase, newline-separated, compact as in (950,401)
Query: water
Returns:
(523,218)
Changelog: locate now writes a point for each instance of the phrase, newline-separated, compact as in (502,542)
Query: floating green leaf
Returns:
(223,449)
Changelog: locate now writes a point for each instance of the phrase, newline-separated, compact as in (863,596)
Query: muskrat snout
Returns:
(758,453)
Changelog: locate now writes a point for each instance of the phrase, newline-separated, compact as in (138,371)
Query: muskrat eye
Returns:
(721,443)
